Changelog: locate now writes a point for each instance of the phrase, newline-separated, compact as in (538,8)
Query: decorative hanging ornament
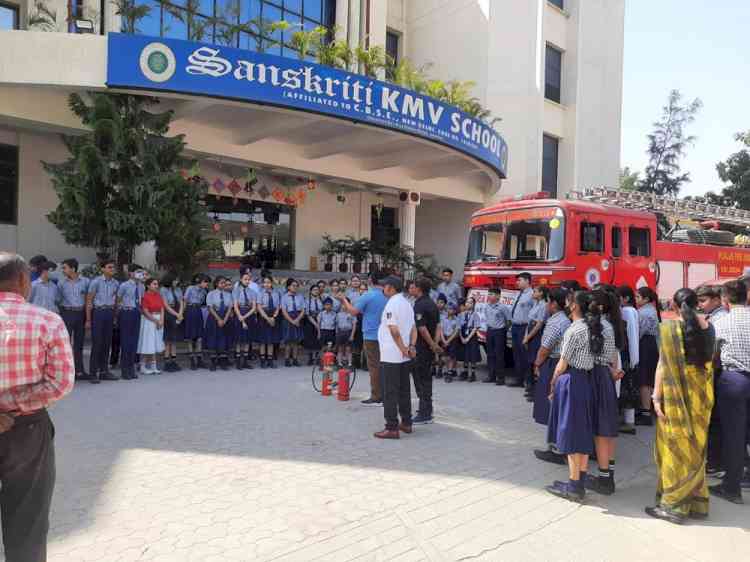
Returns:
(278,194)
(311,184)
(249,189)
(263,192)
(244,229)
(251,177)
(301,194)
(218,185)
(234,187)
(216,227)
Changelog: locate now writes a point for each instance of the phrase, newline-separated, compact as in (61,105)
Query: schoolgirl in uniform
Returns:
(333,294)
(545,364)
(219,313)
(195,297)
(174,314)
(327,325)
(311,341)
(269,325)
(648,349)
(346,326)
(606,371)
(293,311)
(572,412)
(630,359)
(469,328)
(245,302)
(533,338)
(449,336)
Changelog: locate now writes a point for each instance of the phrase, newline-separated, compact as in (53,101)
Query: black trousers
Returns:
(520,360)
(733,395)
(495,348)
(102,323)
(421,372)
(75,322)
(27,473)
(396,393)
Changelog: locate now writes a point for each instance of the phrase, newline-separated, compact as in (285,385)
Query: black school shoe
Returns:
(464,375)
(659,512)
(603,486)
(567,492)
(547,455)
(644,419)
(719,491)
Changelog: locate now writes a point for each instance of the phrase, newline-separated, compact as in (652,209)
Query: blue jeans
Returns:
(520,359)
(733,395)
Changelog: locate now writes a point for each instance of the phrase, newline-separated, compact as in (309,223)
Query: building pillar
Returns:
(407,216)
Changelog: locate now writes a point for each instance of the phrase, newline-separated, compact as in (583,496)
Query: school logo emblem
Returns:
(592,277)
(158,62)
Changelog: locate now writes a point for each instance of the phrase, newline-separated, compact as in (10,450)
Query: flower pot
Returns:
(357,267)
(343,267)
(328,266)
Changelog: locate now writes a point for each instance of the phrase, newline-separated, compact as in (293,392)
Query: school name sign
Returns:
(172,65)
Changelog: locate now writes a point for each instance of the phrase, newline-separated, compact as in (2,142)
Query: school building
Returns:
(334,152)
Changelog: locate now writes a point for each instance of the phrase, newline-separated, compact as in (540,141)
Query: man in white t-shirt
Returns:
(397,337)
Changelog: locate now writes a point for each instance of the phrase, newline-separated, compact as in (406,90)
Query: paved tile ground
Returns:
(256,466)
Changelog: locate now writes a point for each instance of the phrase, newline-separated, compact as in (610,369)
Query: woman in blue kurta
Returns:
(571,416)
(293,311)
(269,307)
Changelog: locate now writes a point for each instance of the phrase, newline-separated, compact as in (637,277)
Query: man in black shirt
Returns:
(427,318)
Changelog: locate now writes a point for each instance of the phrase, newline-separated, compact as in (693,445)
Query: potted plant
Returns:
(374,250)
(358,250)
(329,249)
(342,250)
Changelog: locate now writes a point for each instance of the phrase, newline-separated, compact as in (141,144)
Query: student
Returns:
(648,350)
(73,289)
(533,338)
(449,287)
(327,325)
(545,364)
(293,311)
(174,315)
(606,372)
(630,357)
(442,304)
(311,341)
(450,339)
(45,293)
(497,317)
(129,321)
(709,300)
(195,297)
(151,333)
(519,313)
(346,326)
(269,307)
(100,316)
(571,414)
(334,293)
(352,293)
(470,341)
(245,309)
(219,313)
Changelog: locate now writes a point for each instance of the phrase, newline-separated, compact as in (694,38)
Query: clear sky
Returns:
(702,48)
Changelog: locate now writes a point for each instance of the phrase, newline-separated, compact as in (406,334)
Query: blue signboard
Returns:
(172,65)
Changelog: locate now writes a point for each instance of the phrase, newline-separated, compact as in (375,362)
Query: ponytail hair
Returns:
(609,305)
(653,298)
(559,297)
(698,348)
(593,318)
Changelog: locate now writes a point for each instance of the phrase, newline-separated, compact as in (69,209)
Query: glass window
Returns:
(173,27)
(8,183)
(616,241)
(553,74)
(550,162)
(639,242)
(314,10)
(293,6)
(150,24)
(592,237)
(558,3)
(391,45)
(8,17)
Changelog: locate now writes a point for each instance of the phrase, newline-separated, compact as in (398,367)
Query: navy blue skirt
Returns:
(454,349)
(173,332)
(216,338)
(194,326)
(571,419)
(292,333)
(533,346)
(268,334)
(246,335)
(542,391)
(606,422)
(648,359)
(471,349)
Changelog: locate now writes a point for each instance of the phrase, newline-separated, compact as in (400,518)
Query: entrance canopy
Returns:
(263,110)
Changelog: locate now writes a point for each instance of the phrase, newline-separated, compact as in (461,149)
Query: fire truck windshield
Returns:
(520,235)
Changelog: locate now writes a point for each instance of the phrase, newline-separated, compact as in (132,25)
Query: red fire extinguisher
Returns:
(325,389)
(327,365)
(343,393)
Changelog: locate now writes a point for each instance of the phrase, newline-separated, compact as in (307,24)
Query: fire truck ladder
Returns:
(680,209)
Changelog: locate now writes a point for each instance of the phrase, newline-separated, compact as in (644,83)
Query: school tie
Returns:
(247,301)
(174,295)
(515,304)
(294,303)
(221,296)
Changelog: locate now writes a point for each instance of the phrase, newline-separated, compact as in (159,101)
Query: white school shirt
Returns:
(397,312)
(630,315)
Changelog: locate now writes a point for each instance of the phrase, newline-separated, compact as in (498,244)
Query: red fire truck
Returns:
(602,235)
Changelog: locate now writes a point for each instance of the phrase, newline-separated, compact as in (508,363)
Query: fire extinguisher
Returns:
(327,364)
(325,389)
(343,392)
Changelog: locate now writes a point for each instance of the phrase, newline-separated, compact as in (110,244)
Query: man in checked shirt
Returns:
(36,369)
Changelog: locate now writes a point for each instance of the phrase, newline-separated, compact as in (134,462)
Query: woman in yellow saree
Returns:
(683,398)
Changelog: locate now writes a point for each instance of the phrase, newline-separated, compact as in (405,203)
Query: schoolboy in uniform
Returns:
(520,310)
(327,324)
(45,293)
(497,317)
(129,320)
(100,316)
(346,326)
(73,289)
